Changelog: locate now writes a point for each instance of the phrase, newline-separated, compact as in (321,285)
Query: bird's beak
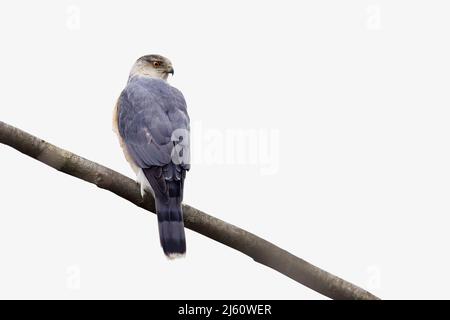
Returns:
(170,70)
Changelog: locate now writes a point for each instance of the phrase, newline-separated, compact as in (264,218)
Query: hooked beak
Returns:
(170,70)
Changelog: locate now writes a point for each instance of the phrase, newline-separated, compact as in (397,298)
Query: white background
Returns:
(356,91)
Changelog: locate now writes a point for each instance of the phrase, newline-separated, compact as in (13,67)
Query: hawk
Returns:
(152,123)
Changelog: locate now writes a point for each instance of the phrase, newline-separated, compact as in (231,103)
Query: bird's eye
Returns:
(156,64)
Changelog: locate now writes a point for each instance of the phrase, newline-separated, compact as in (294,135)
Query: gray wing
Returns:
(152,120)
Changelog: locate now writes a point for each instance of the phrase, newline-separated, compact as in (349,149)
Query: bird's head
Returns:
(152,65)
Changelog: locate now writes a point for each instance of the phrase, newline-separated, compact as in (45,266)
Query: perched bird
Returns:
(152,123)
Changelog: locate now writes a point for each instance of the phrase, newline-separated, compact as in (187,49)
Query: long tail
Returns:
(171,226)
(167,184)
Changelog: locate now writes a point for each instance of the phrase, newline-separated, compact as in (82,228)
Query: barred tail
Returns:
(167,185)
(171,227)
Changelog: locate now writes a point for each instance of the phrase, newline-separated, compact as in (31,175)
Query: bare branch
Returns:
(255,247)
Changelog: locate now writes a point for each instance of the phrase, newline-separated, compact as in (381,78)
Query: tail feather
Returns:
(171,227)
(168,191)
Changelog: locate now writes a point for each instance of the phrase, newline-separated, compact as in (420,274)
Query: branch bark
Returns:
(255,247)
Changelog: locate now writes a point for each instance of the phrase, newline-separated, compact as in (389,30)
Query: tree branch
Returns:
(255,247)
